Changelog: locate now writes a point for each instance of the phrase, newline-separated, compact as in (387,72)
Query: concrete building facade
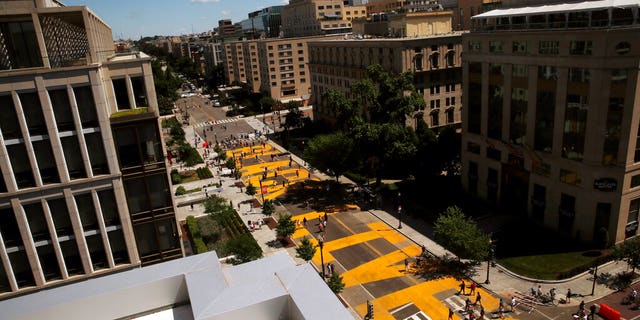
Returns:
(302,18)
(276,67)
(84,188)
(434,60)
(551,115)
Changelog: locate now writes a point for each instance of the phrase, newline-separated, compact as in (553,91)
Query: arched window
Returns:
(434,60)
(451,56)
(417,62)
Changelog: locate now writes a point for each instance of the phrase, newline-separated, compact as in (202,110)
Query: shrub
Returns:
(357,178)
(180,191)
(197,243)
(175,176)
(204,173)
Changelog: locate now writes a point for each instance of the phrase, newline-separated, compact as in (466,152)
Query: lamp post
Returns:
(595,277)
(489,262)
(261,193)
(399,211)
(321,244)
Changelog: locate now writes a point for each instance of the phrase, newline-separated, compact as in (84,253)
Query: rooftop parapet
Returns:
(581,15)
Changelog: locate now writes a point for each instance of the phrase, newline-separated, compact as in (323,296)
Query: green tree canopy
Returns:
(306,250)
(628,251)
(335,283)
(460,235)
(332,152)
(286,226)
(268,208)
(245,248)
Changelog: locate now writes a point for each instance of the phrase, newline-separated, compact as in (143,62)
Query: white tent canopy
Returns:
(559,8)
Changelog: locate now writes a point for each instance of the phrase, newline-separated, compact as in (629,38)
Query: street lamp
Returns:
(321,244)
(595,277)
(489,256)
(399,217)
(261,193)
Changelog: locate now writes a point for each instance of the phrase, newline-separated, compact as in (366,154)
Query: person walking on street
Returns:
(450,314)
(406,265)
(304,222)
(513,303)
(478,299)
(473,288)
(462,288)
(568,296)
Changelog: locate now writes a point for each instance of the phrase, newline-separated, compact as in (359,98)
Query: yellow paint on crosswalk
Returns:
(385,267)
(387,232)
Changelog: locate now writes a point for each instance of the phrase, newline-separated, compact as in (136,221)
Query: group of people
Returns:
(253,225)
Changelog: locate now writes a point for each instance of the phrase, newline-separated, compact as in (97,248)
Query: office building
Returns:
(84,188)
(551,115)
(264,23)
(302,18)
(435,61)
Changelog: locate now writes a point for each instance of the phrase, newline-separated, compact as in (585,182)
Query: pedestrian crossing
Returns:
(457,303)
(213,123)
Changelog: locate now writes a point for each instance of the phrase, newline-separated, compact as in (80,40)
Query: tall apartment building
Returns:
(302,18)
(84,188)
(435,61)
(276,67)
(551,115)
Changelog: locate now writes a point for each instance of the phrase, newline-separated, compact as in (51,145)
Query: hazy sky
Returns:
(136,18)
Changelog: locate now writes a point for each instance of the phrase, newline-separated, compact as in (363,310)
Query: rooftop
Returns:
(195,287)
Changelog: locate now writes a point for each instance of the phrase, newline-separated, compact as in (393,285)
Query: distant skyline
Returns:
(140,18)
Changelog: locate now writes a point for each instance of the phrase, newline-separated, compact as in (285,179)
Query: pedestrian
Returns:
(462,288)
(568,296)
(424,250)
(501,305)
(192,207)
(450,314)
(581,307)
(539,292)
(473,288)
(238,206)
(481,312)
(467,305)
(513,303)
(406,265)
(478,299)
(304,222)
(324,222)
(326,217)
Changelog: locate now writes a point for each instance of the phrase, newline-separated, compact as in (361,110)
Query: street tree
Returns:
(216,206)
(286,226)
(251,189)
(306,250)
(460,235)
(335,283)
(628,251)
(333,153)
(266,103)
(268,208)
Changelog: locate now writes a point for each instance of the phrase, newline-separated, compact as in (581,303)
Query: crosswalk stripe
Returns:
(457,303)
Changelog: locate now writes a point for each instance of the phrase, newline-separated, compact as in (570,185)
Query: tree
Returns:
(165,105)
(286,226)
(332,153)
(335,283)
(215,206)
(628,251)
(306,250)
(251,189)
(268,208)
(460,235)
(230,163)
(266,104)
(244,247)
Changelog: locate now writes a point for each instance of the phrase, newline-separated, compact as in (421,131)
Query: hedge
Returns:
(197,243)
(204,173)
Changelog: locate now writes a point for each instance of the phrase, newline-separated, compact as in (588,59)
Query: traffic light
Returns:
(369,310)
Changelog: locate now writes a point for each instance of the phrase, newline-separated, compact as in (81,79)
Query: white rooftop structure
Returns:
(196,287)
(559,8)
